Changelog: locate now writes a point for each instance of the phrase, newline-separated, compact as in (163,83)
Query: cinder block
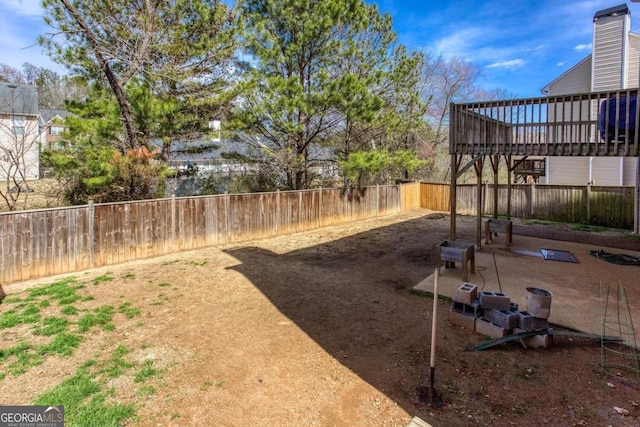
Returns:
(467,293)
(527,322)
(487,328)
(466,320)
(504,318)
(536,341)
(473,308)
(494,301)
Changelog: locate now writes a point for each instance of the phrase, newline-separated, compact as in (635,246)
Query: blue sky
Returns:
(520,45)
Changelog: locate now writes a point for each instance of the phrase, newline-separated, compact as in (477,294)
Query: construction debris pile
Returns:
(494,314)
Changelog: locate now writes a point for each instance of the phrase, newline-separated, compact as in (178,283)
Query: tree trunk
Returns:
(118,90)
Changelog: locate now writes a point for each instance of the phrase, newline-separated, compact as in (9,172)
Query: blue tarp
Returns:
(607,122)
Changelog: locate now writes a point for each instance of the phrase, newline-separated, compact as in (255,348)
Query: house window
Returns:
(17,125)
(56,130)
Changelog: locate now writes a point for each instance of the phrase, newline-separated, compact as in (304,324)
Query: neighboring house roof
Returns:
(47,115)
(18,99)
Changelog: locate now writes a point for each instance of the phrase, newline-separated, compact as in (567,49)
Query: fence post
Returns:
(227,208)
(92,222)
(588,197)
(320,216)
(174,234)
(277,212)
(377,199)
(533,200)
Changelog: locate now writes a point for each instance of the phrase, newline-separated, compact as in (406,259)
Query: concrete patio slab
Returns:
(579,290)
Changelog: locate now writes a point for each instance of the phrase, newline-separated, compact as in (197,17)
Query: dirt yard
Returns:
(315,329)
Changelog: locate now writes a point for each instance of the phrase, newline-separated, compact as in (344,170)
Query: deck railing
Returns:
(588,124)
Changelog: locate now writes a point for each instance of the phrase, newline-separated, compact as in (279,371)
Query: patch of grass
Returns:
(84,402)
(208,384)
(24,361)
(27,313)
(51,326)
(100,316)
(45,303)
(163,284)
(62,291)
(147,390)
(69,310)
(11,300)
(428,294)
(196,263)
(5,353)
(128,310)
(170,262)
(587,227)
(117,365)
(146,371)
(62,345)
(102,278)
(162,298)
(128,276)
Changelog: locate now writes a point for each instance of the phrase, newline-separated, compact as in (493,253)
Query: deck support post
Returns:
(479,166)
(452,197)
(508,160)
(495,163)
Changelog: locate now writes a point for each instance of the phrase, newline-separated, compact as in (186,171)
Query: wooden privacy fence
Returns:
(594,205)
(45,242)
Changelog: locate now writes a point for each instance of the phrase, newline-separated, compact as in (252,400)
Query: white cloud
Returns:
(561,64)
(511,64)
(458,43)
(586,46)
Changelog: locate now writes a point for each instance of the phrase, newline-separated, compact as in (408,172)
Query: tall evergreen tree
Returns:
(322,74)
(176,49)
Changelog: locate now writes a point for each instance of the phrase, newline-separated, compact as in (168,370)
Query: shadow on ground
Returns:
(352,297)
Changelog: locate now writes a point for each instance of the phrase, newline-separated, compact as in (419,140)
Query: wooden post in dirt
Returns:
(508,160)
(495,165)
(479,166)
(452,197)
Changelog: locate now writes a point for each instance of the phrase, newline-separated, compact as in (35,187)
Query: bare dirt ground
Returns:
(321,329)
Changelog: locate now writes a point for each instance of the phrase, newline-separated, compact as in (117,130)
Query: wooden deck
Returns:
(589,124)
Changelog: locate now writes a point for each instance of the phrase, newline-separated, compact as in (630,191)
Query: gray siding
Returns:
(576,80)
(568,170)
(609,53)
(606,170)
(631,165)
(633,68)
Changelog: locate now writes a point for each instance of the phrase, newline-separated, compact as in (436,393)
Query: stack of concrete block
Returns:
(466,307)
(498,318)
(494,314)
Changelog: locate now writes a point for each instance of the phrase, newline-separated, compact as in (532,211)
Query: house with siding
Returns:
(52,126)
(613,64)
(20,136)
